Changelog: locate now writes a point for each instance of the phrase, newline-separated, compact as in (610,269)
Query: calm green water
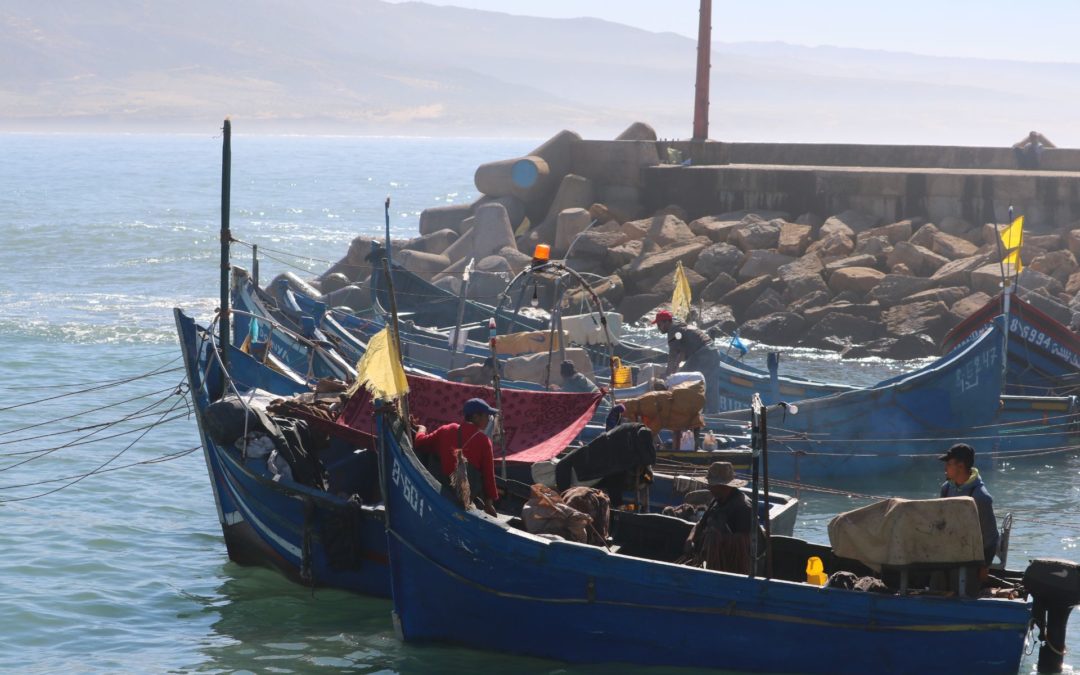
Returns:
(125,570)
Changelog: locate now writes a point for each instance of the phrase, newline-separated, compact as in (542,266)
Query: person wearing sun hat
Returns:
(721,539)
(469,437)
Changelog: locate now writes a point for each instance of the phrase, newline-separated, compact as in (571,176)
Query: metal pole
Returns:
(387,214)
(255,264)
(701,87)
(756,419)
(496,384)
(765,482)
(224,325)
(460,311)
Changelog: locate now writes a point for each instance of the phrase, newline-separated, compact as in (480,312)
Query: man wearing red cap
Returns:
(692,348)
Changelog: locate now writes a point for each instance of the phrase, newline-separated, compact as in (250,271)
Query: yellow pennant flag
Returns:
(1013,237)
(680,298)
(379,369)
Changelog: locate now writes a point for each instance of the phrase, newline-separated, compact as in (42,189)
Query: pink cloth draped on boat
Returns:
(538,424)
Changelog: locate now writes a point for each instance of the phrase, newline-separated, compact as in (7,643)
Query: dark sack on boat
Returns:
(626,447)
(295,442)
(225,420)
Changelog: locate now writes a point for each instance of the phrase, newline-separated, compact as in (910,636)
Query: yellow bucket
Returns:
(815,571)
(621,376)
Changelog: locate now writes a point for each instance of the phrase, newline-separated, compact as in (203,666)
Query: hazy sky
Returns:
(1037,30)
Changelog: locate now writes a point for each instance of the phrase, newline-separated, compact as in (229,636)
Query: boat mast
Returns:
(224,327)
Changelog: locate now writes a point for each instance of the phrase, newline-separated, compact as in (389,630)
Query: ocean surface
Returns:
(111,557)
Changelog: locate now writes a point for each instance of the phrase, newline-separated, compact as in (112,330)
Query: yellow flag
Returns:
(379,369)
(680,298)
(1013,237)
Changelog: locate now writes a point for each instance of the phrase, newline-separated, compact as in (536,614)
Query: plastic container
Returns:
(708,442)
(621,376)
(815,571)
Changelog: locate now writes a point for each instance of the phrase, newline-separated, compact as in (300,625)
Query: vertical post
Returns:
(496,383)
(395,334)
(460,312)
(389,259)
(224,324)
(757,412)
(255,264)
(701,88)
(765,496)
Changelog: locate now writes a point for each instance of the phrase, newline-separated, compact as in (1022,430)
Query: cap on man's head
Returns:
(961,452)
(475,406)
(723,473)
(566,368)
(662,315)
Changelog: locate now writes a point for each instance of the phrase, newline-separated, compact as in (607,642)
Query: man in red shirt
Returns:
(474,444)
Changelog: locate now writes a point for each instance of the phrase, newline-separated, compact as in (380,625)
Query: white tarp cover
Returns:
(899,532)
(585,329)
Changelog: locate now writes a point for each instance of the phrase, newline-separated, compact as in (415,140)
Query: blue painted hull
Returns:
(894,425)
(1044,355)
(464,578)
(283,525)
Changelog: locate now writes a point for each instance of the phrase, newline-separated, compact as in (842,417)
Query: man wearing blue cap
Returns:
(469,437)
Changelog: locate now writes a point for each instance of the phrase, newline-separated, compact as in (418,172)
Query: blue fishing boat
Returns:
(890,426)
(499,588)
(1044,355)
(319,537)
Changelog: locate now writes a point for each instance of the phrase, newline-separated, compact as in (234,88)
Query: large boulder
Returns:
(633,307)
(652,264)
(610,290)
(568,225)
(802,276)
(920,260)
(796,288)
(660,231)
(721,284)
(491,231)
(425,265)
(863,260)
(794,238)
(1032,280)
(762,262)
(665,285)
(713,227)
(434,242)
(778,328)
(952,247)
(865,310)
(1049,306)
(836,331)
(849,222)
(858,279)
(1072,241)
(767,303)
(444,217)
(597,241)
(968,305)
(902,348)
(832,247)
(515,258)
(800,304)
(877,246)
(495,263)
(1072,284)
(742,296)
(719,258)
(949,296)
(987,278)
(958,272)
(924,236)
(717,317)
(893,232)
(574,192)
(893,289)
(1058,264)
(928,318)
(753,234)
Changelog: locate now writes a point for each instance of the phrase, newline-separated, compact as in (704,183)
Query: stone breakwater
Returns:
(842,281)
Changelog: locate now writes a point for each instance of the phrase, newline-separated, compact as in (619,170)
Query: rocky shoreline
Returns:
(844,282)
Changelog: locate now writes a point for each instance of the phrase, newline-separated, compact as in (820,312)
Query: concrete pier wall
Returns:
(891,182)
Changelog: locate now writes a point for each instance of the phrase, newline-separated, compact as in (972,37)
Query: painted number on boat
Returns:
(1043,341)
(967,377)
(408,490)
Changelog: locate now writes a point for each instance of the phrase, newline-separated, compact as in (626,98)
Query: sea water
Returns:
(111,555)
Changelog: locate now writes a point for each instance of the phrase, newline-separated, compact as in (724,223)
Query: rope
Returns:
(105,385)
(78,414)
(98,469)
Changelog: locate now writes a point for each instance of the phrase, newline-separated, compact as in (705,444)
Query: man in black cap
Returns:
(962,480)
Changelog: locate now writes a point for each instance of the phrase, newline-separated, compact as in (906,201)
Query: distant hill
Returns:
(370,67)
